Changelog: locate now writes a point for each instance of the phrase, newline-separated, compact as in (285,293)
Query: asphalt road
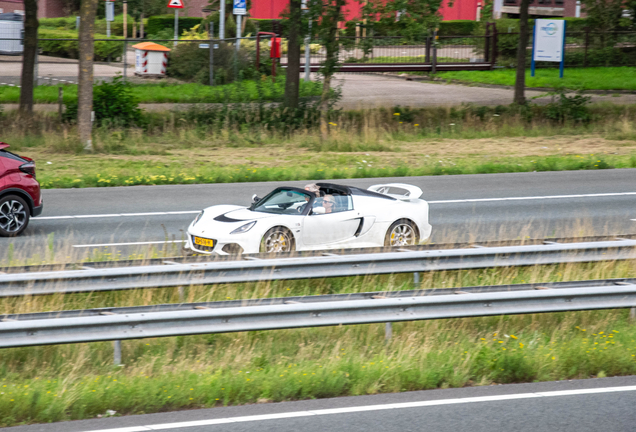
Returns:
(564,406)
(462,208)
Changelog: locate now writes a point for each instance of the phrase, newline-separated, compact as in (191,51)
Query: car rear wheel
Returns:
(277,239)
(401,233)
(14,216)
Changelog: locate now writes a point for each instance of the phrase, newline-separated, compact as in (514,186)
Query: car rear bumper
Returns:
(37,211)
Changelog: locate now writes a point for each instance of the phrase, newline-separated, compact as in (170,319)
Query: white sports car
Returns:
(329,217)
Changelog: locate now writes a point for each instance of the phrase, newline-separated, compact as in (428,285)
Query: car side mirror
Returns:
(318,210)
(255,198)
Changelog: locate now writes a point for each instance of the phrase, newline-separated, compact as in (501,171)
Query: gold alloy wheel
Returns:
(402,234)
(277,240)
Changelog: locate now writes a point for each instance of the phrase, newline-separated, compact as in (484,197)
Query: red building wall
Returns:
(461,10)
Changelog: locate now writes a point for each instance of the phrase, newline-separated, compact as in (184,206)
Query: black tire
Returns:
(278,239)
(14,216)
(402,232)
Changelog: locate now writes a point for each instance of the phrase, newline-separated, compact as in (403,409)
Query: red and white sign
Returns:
(176,4)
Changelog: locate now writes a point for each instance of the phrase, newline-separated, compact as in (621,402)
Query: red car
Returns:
(20,197)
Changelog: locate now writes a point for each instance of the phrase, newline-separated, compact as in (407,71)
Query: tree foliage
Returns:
(411,19)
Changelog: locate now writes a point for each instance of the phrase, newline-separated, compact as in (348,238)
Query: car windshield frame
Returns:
(259,206)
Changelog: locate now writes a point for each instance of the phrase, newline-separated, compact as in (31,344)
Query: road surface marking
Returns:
(403,405)
(113,215)
(527,198)
(128,244)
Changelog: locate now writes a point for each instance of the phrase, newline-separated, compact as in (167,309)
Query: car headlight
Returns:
(196,219)
(244,228)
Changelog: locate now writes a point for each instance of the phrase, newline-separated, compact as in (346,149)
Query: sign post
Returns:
(110,15)
(239,9)
(176,5)
(548,43)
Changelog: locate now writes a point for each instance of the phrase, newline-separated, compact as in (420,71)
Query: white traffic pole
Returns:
(239,22)
(176,26)
(308,54)
(222,21)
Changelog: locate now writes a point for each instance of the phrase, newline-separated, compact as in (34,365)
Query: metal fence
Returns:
(211,61)
(157,321)
(256,270)
(582,49)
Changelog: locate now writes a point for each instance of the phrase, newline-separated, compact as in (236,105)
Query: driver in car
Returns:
(329,203)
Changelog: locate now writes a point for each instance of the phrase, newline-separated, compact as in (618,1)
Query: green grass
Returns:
(246,91)
(54,383)
(597,78)
(129,173)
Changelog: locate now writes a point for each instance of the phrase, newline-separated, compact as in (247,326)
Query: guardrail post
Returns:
(117,353)
(388,332)
(181,294)
(416,279)
(632,313)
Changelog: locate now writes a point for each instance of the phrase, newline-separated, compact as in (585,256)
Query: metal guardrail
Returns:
(199,258)
(400,261)
(293,314)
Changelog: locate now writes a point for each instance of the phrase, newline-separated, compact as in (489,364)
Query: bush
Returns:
(116,27)
(230,25)
(163,22)
(457,27)
(190,63)
(70,48)
(568,108)
(113,104)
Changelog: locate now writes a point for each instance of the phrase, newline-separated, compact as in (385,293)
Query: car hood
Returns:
(244,214)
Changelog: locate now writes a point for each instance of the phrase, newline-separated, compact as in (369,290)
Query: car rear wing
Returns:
(399,191)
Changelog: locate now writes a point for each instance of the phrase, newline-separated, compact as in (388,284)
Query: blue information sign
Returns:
(240,7)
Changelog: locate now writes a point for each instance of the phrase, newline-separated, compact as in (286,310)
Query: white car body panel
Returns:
(364,226)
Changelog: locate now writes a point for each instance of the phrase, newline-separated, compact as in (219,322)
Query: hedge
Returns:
(68,23)
(163,22)
(457,27)
(70,48)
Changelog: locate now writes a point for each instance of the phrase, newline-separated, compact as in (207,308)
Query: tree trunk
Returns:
(292,83)
(28,62)
(88,10)
(331,61)
(520,81)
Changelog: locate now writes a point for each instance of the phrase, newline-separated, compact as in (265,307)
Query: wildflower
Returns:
(513,336)
(396,114)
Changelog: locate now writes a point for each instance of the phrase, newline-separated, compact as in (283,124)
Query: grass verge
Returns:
(245,91)
(43,384)
(264,145)
(593,78)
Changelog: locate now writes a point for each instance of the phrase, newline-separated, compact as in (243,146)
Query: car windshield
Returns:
(283,202)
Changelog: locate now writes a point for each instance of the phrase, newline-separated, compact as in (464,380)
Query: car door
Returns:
(324,229)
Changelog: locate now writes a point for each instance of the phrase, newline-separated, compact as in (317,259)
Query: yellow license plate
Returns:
(203,242)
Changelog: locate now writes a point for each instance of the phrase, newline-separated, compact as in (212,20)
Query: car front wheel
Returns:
(277,239)
(401,233)
(14,216)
